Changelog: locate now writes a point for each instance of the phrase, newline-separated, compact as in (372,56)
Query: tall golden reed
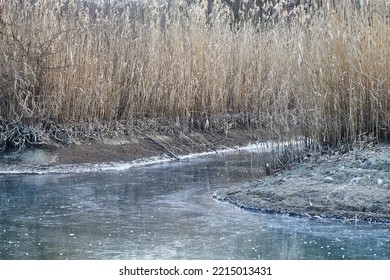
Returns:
(321,72)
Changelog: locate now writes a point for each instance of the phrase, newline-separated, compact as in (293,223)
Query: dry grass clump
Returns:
(321,71)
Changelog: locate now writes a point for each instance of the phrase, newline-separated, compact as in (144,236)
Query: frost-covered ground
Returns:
(353,186)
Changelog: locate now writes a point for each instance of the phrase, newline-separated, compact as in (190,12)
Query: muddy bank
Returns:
(352,187)
(119,149)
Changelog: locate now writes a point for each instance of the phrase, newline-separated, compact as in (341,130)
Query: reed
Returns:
(322,72)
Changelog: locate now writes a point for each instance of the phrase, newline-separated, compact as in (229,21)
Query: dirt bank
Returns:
(353,186)
(118,148)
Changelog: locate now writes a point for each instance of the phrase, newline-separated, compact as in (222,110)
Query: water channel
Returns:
(165,211)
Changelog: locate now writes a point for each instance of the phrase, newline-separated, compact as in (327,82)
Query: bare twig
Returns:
(172,155)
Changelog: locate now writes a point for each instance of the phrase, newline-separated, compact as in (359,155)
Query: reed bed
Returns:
(319,71)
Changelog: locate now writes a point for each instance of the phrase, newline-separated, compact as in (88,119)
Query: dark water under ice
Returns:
(165,211)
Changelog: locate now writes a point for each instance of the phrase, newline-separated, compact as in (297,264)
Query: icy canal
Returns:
(165,211)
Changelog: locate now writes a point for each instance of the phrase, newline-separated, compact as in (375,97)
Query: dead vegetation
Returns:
(18,135)
(73,69)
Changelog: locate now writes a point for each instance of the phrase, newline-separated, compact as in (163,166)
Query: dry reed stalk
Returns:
(320,72)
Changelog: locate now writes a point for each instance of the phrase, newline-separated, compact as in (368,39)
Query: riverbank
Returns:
(116,150)
(352,187)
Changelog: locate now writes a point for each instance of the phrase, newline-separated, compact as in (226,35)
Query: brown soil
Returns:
(123,148)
